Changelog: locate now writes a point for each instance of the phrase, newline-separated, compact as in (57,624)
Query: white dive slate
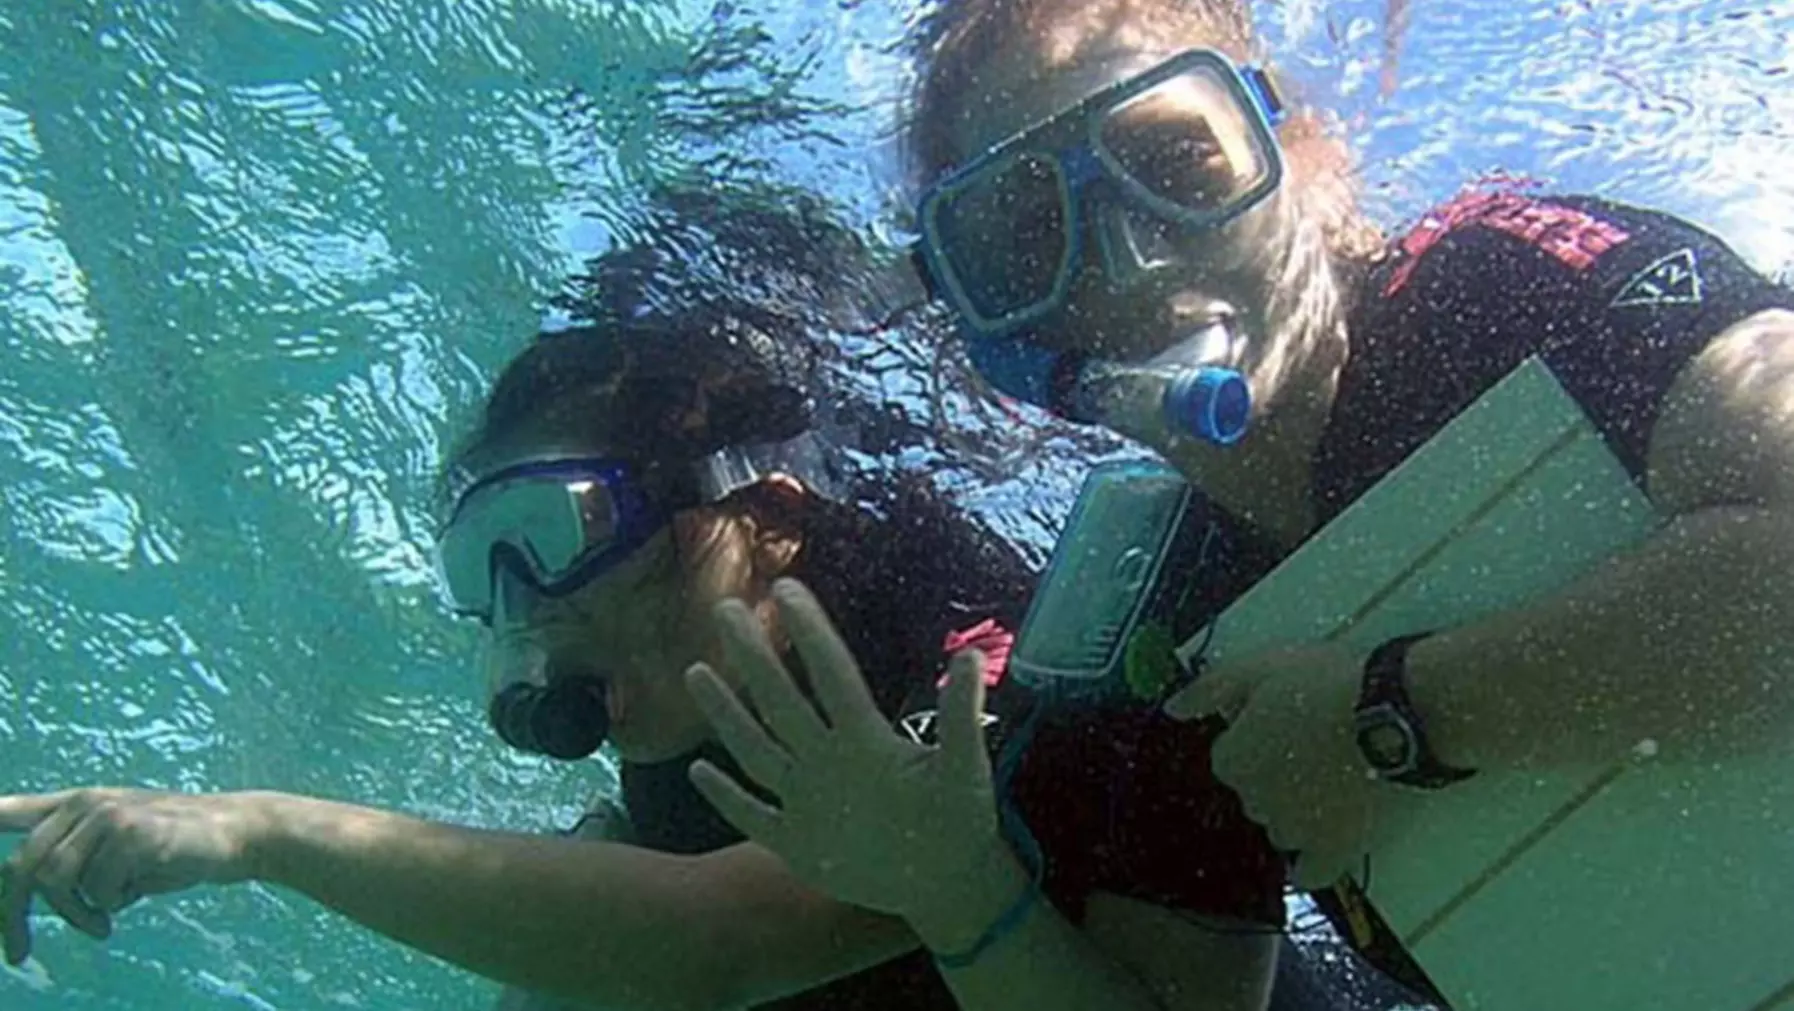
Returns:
(1644,886)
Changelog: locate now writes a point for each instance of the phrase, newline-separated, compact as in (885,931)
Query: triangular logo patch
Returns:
(920,726)
(1673,280)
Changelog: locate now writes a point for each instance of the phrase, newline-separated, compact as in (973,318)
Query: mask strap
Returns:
(1264,94)
(804,457)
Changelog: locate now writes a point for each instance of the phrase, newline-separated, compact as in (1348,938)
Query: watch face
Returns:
(1384,738)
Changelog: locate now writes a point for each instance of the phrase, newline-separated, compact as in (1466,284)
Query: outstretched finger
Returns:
(962,715)
(23,812)
(750,816)
(18,877)
(741,734)
(15,906)
(834,674)
(783,709)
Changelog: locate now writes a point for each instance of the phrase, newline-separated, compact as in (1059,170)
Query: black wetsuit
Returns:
(1615,300)
(906,593)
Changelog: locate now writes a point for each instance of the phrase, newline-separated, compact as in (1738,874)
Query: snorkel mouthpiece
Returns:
(566,720)
(535,703)
(1179,393)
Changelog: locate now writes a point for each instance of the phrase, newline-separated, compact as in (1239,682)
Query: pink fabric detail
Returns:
(990,638)
(1572,237)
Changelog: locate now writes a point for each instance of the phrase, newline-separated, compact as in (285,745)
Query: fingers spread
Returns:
(834,674)
(782,707)
(750,816)
(760,756)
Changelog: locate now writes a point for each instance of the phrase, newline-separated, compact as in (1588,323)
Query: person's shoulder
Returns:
(1492,249)
(1528,213)
(1498,233)
(1633,217)
(1647,229)
(1567,237)
(1615,298)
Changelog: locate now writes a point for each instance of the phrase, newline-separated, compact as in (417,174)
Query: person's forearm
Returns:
(596,922)
(1687,642)
(1044,964)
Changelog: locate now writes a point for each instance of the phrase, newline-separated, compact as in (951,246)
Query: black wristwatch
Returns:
(1391,735)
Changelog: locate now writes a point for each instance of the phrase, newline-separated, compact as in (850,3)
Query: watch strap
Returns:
(1383,696)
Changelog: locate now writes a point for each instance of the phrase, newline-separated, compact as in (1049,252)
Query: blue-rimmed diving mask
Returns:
(1133,175)
(543,529)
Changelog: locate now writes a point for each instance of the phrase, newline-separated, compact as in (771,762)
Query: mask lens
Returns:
(549,524)
(1190,141)
(1003,235)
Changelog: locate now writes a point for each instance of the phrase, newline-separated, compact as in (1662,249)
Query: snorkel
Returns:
(1004,238)
(1178,394)
(534,704)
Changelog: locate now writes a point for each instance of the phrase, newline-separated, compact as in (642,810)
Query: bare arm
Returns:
(1684,641)
(595,922)
(606,821)
(1128,955)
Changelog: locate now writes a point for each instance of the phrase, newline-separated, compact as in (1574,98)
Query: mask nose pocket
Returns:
(1133,245)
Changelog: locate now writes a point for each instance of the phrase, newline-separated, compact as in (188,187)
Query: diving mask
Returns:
(543,529)
(1143,166)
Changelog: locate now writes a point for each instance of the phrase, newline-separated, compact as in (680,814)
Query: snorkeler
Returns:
(627,476)
(1113,182)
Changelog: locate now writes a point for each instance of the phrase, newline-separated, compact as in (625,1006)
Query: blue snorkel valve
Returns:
(1208,402)
(1180,393)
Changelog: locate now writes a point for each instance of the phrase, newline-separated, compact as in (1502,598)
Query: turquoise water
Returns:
(257,259)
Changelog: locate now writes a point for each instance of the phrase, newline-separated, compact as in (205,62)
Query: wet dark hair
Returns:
(703,332)
(710,332)
(659,389)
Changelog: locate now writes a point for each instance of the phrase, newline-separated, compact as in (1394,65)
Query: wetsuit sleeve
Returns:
(1644,310)
(1617,300)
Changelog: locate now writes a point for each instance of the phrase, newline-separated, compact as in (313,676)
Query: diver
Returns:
(1113,194)
(638,496)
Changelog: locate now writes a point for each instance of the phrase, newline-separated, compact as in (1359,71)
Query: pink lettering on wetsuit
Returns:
(989,638)
(1574,238)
